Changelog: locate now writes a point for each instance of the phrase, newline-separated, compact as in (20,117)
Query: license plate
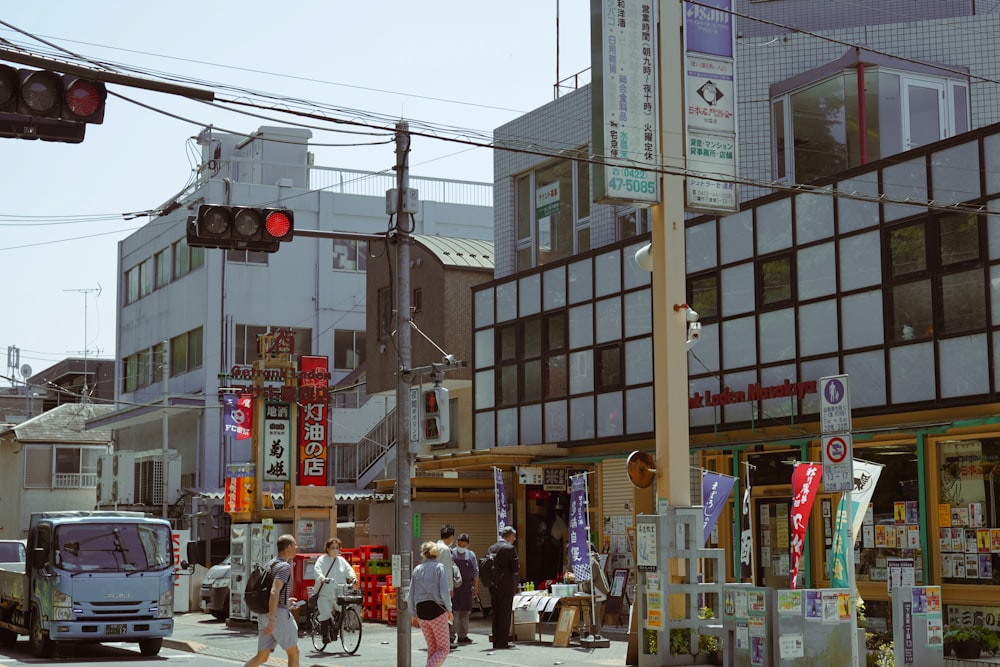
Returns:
(116,629)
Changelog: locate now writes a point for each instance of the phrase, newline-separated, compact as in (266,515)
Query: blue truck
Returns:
(89,577)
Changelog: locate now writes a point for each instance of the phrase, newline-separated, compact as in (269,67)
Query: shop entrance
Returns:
(547,535)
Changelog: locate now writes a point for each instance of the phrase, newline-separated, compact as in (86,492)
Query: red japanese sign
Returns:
(805,482)
(313,423)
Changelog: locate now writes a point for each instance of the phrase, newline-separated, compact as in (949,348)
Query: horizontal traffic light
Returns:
(41,104)
(240,227)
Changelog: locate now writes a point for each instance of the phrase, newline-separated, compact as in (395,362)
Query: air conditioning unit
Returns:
(104,477)
(149,477)
(116,478)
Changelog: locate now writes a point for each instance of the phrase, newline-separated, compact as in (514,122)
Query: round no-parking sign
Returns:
(838,463)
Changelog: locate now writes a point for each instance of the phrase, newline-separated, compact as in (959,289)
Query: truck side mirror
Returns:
(38,559)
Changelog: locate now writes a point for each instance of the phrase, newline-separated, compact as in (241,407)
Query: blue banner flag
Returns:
(579,544)
(715,490)
(501,498)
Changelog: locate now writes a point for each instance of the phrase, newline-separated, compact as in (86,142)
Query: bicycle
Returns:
(346,623)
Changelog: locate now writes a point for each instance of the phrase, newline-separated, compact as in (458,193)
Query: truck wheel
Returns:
(41,645)
(150,645)
(7,637)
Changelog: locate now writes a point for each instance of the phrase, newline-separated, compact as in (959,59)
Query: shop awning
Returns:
(483,460)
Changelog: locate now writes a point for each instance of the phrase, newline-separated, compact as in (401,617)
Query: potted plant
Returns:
(969,641)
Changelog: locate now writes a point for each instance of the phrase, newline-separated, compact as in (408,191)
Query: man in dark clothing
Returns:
(502,593)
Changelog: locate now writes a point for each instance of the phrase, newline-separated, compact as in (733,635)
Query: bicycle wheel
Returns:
(350,630)
(315,631)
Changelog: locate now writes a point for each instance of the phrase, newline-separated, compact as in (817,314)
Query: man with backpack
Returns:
(277,626)
(504,586)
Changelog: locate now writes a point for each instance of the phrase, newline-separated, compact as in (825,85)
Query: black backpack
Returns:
(489,573)
(257,594)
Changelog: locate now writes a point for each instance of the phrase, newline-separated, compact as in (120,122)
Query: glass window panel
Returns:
(902,181)
(554,211)
(860,261)
(508,342)
(639,410)
(959,238)
(995,294)
(531,424)
(704,414)
(777,336)
(924,114)
(610,415)
(736,240)
(555,375)
(508,385)
(581,372)
(484,348)
(581,418)
(963,301)
(912,314)
(818,130)
(965,367)
(529,292)
(639,361)
(813,217)
(556,422)
(890,107)
(635,275)
(743,411)
(704,295)
(776,280)
(609,319)
(991,151)
(609,367)
(639,313)
(867,372)
(996,355)
(484,308)
(555,328)
(955,173)
(779,406)
(581,326)
(855,214)
(524,207)
(525,257)
(485,389)
(814,370)
(700,246)
(739,342)
(706,357)
(993,228)
(862,325)
(506,301)
(738,290)
(583,239)
(780,146)
(608,271)
(908,249)
(532,381)
(774,226)
(581,281)
(554,288)
(485,430)
(532,346)
(816,270)
(960,108)
(582,188)
(507,427)
(913,377)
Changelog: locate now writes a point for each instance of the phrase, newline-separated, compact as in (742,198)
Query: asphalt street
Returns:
(202,634)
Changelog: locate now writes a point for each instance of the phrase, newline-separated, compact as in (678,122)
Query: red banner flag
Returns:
(805,483)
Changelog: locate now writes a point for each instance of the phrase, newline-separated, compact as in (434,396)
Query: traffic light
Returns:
(240,227)
(435,422)
(40,104)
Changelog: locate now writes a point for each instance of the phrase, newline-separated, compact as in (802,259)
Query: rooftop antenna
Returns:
(86,292)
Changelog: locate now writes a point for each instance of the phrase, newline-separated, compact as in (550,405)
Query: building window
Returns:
(609,367)
(61,467)
(246,350)
(348,349)
(703,295)
(417,300)
(775,281)
(162,261)
(132,285)
(385,311)
(186,258)
(633,222)
(186,352)
(350,255)
(246,256)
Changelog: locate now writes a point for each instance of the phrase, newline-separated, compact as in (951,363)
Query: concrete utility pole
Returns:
(404,457)
(165,369)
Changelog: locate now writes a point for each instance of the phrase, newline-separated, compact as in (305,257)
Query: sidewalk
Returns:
(200,633)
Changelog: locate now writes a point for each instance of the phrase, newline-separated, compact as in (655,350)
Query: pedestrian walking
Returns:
(278,627)
(465,559)
(429,600)
(333,574)
(502,593)
(444,546)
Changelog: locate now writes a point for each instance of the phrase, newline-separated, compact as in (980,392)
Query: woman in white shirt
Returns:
(333,572)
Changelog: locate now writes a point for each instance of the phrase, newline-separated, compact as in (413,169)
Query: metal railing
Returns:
(374,184)
(74,480)
(356,464)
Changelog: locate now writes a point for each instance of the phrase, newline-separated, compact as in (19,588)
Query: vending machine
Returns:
(250,544)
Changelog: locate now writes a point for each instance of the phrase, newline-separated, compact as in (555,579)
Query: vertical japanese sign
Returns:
(501,498)
(805,483)
(710,106)
(626,122)
(715,490)
(746,537)
(313,382)
(579,545)
(277,443)
(866,476)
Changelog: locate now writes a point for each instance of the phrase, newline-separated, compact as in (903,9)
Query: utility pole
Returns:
(404,457)
(165,369)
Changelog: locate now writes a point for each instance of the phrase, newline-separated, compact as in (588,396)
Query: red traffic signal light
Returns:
(435,418)
(240,227)
(40,104)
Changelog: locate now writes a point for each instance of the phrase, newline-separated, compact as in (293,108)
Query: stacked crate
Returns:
(373,569)
(389,603)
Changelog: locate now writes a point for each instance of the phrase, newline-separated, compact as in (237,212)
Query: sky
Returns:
(449,63)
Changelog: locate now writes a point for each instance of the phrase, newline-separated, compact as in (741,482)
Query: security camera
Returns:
(694,333)
(644,257)
(692,314)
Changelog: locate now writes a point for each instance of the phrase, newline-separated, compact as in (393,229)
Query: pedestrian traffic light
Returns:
(240,227)
(435,419)
(40,104)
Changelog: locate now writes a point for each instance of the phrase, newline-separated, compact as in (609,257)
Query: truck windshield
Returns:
(120,547)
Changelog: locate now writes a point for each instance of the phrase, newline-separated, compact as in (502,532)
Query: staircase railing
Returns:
(358,465)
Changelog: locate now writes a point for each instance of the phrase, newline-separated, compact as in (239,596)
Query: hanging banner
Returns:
(805,482)
(579,545)
(746,539)
(314,371)
(237,416)
(715,490)
(501,498)
(866,476)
